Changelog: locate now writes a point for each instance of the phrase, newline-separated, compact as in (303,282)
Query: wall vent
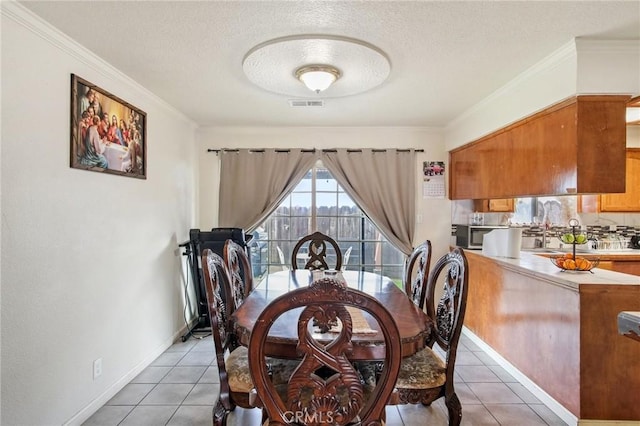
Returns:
(306,102)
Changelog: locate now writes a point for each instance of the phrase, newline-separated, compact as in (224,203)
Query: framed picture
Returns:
(108,135)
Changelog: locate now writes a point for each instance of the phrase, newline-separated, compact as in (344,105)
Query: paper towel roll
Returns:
(502,243)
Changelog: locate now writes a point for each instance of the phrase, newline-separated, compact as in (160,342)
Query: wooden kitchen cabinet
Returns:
(575,146)
(629,201)
(494,205)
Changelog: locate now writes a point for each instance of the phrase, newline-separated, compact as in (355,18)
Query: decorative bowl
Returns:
(567,262)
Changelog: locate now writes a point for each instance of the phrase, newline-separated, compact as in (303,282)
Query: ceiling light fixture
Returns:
(317,77)
(279,65)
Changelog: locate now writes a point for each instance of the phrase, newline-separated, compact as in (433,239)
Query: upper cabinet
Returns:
(630,200)
(576,146)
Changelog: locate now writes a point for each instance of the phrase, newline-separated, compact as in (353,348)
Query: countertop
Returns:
(627,254)
(541,267)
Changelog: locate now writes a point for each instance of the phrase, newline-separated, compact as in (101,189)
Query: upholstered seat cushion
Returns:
(237,364)
(423,370)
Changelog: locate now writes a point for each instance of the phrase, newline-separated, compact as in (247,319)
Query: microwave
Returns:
(471,236)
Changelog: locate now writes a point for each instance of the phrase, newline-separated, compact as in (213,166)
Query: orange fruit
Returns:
(570,264)
(569,255)
(583,264)
(560,262)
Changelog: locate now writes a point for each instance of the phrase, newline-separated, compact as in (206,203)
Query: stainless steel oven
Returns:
(471,236)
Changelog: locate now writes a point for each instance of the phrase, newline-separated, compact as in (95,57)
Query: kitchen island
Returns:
(559,329)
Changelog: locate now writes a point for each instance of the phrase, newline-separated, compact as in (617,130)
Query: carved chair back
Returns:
(417,273)
(240,272)
(424,376)
(448,313)
(325,388)
(319,246)
(217,284)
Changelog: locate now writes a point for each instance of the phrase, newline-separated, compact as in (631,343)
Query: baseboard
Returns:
(608,422)
(103,398)
(567,416)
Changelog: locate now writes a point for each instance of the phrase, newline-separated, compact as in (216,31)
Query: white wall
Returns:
(544,84)
(435,213)
(90,266)
(608,66)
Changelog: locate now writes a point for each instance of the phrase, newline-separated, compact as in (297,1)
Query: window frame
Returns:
(362,246)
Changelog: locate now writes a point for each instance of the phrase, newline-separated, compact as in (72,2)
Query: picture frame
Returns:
(108,135)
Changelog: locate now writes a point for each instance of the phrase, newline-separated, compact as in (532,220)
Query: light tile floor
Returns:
(181,385)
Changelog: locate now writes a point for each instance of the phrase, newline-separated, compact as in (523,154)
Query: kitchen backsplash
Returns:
(597,231)
(461,210)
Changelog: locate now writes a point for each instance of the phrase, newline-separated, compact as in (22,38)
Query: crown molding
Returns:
(563,53)
(29,20)
(608,46)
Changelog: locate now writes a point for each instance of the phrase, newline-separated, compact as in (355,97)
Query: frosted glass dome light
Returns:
(317,77)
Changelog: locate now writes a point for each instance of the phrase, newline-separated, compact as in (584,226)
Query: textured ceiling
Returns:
(445,56)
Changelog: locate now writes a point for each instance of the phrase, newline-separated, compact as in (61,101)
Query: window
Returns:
(555,210)
(318,203)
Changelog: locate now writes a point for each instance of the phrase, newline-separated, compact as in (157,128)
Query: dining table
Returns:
(413,324)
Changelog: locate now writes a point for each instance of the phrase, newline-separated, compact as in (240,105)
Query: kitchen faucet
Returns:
(545,227)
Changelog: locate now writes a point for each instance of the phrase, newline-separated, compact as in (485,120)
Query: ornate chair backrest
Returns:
(240,272)
(448,314)
(417,273)
(325,388)
(317,252)
(217,283)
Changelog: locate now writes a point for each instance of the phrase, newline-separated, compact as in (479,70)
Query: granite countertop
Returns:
(629,324)
(542,268)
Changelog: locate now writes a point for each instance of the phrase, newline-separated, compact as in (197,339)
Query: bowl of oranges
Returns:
(570,262)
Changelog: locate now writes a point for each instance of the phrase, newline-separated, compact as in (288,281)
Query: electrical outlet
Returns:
(97,368)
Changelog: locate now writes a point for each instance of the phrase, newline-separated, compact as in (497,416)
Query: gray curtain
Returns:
(382,182)
(253,183)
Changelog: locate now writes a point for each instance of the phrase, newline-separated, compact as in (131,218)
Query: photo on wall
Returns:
(108,134)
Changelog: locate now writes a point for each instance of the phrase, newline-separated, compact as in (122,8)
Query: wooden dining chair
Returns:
(232,362)
(317,252)
(241,274)
(417,272)
(325,388)
(424,376)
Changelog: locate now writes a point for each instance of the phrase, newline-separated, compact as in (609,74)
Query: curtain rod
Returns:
(307,150)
